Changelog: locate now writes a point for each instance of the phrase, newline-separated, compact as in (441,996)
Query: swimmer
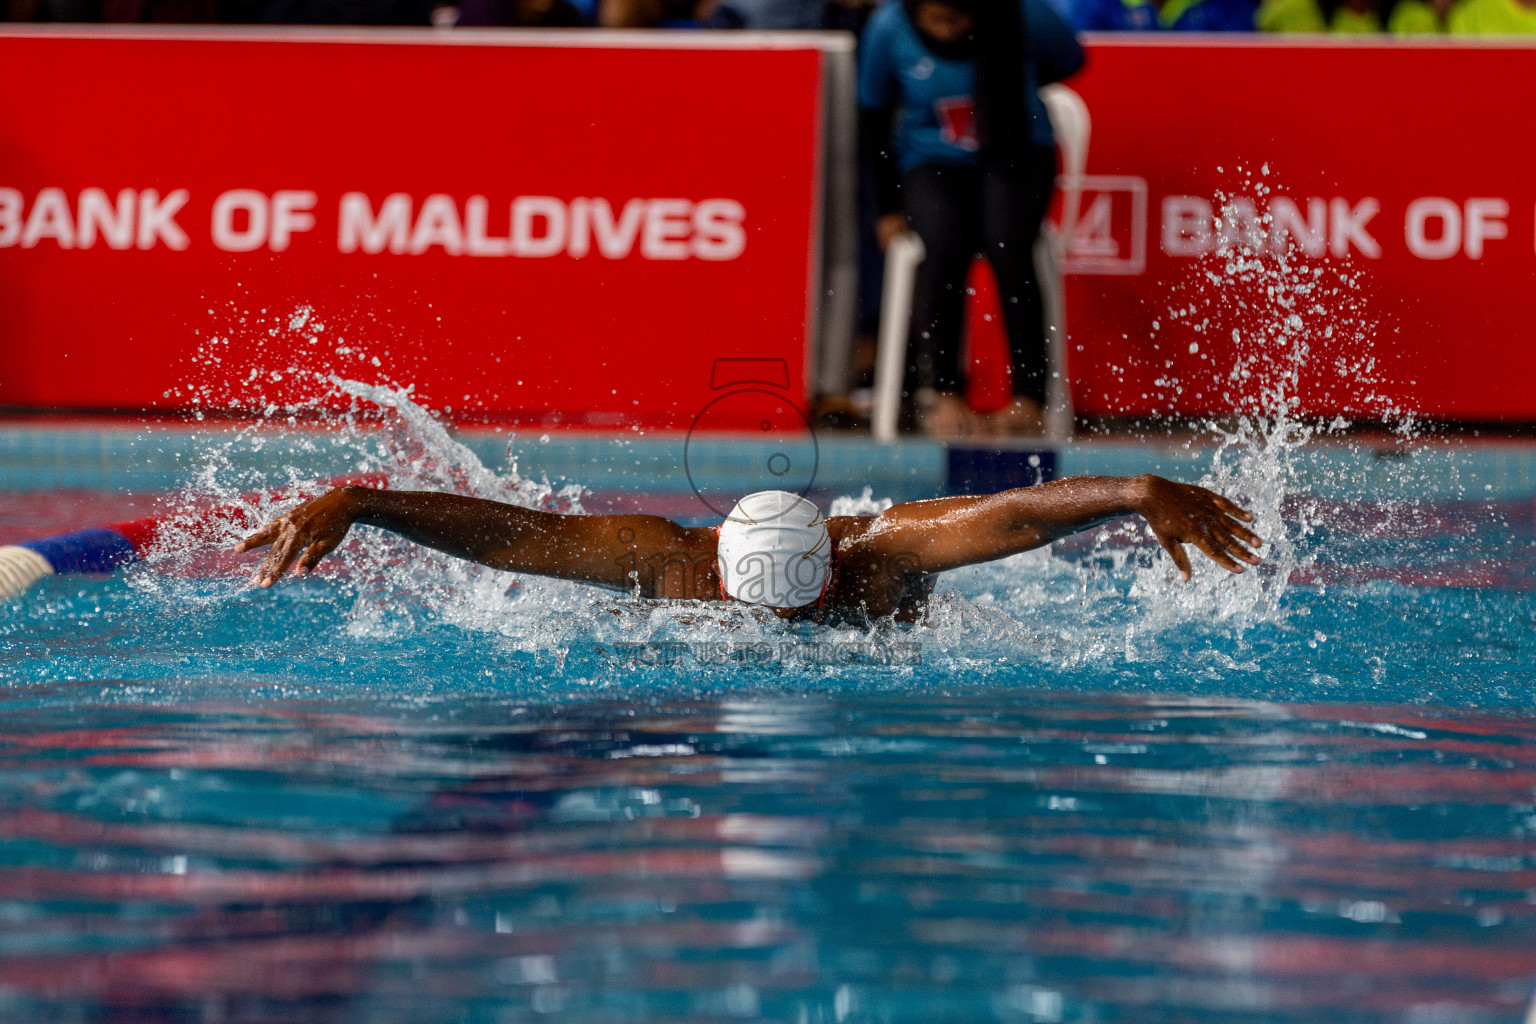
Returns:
(774,549)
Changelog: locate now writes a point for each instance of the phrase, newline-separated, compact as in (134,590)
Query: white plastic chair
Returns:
(902,258)
(1072,126)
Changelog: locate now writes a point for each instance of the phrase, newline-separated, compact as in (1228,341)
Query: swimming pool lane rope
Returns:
(101,549)
(106,549)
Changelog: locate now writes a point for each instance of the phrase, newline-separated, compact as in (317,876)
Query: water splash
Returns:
(1111,596)
(371,432)
(1301,334)
(866,504)
(384,589)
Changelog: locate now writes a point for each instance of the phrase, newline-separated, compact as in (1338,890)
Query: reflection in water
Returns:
(997,856)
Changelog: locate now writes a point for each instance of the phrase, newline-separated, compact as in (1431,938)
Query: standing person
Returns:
(961,150)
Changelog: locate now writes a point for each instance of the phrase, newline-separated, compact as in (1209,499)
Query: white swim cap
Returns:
(774,550)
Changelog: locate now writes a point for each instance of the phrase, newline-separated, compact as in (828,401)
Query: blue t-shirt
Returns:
(1176,16)
(934,97)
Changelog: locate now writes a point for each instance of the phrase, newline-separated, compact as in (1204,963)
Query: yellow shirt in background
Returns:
(1290,16)
(1492,18)
(1414,18)
(1352,23)
(1307,16)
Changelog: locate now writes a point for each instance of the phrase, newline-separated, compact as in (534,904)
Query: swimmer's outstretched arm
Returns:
(947,533)
(617,551)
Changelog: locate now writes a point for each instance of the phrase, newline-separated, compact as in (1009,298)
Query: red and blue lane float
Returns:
(106,549)
(100,549)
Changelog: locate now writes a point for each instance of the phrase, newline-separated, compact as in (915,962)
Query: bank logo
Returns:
(1110,236)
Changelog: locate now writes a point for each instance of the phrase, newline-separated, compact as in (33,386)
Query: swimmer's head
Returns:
(774,551)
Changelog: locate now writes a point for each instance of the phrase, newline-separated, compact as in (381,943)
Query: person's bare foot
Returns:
(945,417)
(1024,418)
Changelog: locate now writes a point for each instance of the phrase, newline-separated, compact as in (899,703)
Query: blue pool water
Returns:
(413,790)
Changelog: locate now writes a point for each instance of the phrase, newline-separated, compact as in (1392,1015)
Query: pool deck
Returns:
(118,456)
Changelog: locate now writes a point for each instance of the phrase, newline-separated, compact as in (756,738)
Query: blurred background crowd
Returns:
(1402,17)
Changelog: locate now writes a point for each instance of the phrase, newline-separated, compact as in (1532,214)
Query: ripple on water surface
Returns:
(176,852)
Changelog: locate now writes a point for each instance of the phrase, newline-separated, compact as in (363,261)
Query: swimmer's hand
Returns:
(307,533)
(1182,514)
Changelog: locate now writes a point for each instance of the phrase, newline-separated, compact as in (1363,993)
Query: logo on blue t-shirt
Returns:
(957,121)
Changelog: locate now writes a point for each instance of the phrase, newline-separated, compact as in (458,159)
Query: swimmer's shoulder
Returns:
(846,529)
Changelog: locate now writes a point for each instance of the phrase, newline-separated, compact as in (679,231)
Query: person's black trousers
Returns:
(960,212)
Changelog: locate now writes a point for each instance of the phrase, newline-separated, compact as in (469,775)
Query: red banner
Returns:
(558,227)
(1361,215)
